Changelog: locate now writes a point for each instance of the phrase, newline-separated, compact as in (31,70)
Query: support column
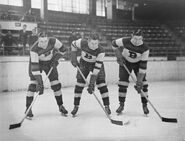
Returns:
(109,13)
(92,7)
(26,5)
(44,9)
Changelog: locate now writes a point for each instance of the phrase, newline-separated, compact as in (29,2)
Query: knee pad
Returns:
(103,89)
(56,87)
(123,89)
(78,89)
(144,100)
(32,88)
(145,88)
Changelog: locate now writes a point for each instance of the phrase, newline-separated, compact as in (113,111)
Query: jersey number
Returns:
(132,54)
(88,56)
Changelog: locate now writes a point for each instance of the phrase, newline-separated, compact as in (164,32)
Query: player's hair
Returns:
(41,34)
(138,32)
(93,36)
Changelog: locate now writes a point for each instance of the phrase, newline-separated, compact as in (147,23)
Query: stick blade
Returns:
(13,126)
(116,122)
(174,120)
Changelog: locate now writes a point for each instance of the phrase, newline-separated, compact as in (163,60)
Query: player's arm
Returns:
(60,47)
(143,62)
(117,43)
(96,70)
(75,45)
(34,64)
(99,63)
(117,46)
(58,52)
(142,70)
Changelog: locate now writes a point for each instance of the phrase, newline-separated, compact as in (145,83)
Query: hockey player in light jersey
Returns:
(134,54)
(44,54)
(92,55)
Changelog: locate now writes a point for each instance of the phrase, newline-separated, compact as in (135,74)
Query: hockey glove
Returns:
(40,86)
(91,86)
(74,60)
(138,86)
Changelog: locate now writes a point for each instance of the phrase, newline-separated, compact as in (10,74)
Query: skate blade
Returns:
(119,114)
(145,115)
(29,118)
(65,115)
(74,116)
(126,122)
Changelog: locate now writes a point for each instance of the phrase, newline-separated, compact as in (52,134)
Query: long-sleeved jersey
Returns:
(44,54)
(91,56)
(131,53)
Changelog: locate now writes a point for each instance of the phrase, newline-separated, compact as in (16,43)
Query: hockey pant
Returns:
(54,82)
(86,68)
(124,81)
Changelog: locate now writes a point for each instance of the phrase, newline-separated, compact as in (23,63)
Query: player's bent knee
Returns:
(78,89)
(103,89)
(32,88)
(56,87)
(145,88)
(123,89)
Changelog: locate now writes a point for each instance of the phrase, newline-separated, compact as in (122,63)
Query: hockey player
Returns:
(92,55)
(132,52)
(44,54)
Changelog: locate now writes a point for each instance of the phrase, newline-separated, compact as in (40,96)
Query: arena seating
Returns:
(179,28)
(159,39)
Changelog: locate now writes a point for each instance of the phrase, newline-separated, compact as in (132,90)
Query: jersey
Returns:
(131,53)
(91,56)
(44,54)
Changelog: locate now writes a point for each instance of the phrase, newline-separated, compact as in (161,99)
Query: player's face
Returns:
(137,40)
(43,42)
(93,44)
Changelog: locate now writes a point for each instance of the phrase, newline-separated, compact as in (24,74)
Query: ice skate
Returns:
(74,111)
(29,115)
(107,109)
(120,108)
(63,110)
(145,109)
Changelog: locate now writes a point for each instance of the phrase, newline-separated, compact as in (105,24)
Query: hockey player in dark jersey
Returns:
(134,54)
(92,55)
(45,54)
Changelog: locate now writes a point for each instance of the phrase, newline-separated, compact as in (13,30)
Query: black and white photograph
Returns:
(92,70)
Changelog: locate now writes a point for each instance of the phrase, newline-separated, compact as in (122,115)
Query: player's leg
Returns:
(145,90)
(56,87)
(101,84)
(79,87)
(123,85)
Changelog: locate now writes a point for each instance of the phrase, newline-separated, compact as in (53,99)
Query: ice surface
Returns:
(91,123)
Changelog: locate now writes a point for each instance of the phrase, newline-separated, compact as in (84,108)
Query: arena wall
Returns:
(14,72)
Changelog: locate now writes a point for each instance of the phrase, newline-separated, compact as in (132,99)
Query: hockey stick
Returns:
(17,125)
(162,118)
(112,121)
